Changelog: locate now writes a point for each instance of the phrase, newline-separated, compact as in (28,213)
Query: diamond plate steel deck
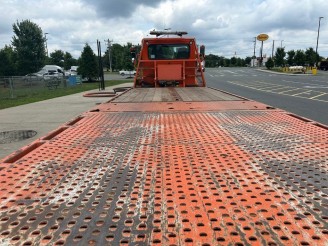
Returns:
(140,177)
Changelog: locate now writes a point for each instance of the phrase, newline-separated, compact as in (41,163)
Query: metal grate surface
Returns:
(187,178)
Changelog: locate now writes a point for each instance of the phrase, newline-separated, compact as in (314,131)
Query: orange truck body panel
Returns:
(180,65)
(170,166)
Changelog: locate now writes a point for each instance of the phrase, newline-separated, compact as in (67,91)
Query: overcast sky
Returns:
(226,28)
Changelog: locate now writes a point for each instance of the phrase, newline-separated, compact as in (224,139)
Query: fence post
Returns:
(11,86)
(64,81)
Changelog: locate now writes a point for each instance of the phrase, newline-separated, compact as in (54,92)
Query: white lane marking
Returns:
(318,96)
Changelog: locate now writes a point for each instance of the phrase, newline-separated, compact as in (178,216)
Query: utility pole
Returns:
(272,48)
(45,38)
(109,45)
(101,68)
(316,49)
(254,57)
(254,46)
(261,52)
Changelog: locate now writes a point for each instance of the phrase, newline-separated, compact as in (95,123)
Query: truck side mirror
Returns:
(202,50)
(133,52)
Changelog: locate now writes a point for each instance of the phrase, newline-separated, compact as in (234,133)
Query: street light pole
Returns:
(316,49)
(254,56)
(45,38)
(254,47)
(261,53)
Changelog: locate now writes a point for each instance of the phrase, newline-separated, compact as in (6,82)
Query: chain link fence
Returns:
(23,86)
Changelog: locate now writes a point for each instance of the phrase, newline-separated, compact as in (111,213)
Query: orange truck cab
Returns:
(169,61)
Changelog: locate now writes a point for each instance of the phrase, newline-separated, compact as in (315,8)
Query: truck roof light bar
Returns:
(159,33)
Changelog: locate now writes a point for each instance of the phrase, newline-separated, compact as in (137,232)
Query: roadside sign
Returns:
(262,37)
(78,79)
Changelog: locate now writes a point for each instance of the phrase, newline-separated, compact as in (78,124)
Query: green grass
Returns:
(30,95)
(277,69)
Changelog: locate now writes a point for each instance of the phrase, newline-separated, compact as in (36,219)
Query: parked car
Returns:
(53,79)
(33,77)
(54,75)
(128,73)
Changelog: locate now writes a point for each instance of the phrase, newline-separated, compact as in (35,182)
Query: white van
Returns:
(51,69)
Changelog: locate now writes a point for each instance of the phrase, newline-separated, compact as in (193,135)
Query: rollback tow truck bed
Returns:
(170,166)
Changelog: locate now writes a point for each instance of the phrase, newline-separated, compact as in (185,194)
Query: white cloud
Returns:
(199,23)
(224,27)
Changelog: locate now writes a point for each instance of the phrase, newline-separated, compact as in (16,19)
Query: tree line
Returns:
(294,58)
(281,58)
(220,61)
(27,53)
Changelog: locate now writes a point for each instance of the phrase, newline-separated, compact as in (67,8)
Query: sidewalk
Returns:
(45,116)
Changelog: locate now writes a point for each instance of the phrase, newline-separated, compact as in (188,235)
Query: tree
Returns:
(57,58)
(29,45)
(233,61)
(211,60)
(291,57)
(248,60)
(226,62)
(222,61)
(7,61)
(280,57)
(269,64)
(69,61)
(88,66)
(240,62)
(299,58)
(62,59)
(127,59)
(117,57)
(121,57)
(311,57)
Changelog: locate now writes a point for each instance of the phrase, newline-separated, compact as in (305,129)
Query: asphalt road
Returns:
(304,95)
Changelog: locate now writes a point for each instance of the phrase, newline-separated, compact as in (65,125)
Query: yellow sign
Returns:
(262,37)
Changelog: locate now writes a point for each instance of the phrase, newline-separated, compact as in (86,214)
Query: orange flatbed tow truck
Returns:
(170,162)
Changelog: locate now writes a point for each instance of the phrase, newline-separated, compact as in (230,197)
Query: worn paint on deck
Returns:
(131,174)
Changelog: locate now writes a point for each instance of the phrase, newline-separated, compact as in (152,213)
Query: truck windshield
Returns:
(168,51)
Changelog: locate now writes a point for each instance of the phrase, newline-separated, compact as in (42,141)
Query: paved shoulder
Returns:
(42,117)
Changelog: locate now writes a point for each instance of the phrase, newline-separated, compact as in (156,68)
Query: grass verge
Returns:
(39,94)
